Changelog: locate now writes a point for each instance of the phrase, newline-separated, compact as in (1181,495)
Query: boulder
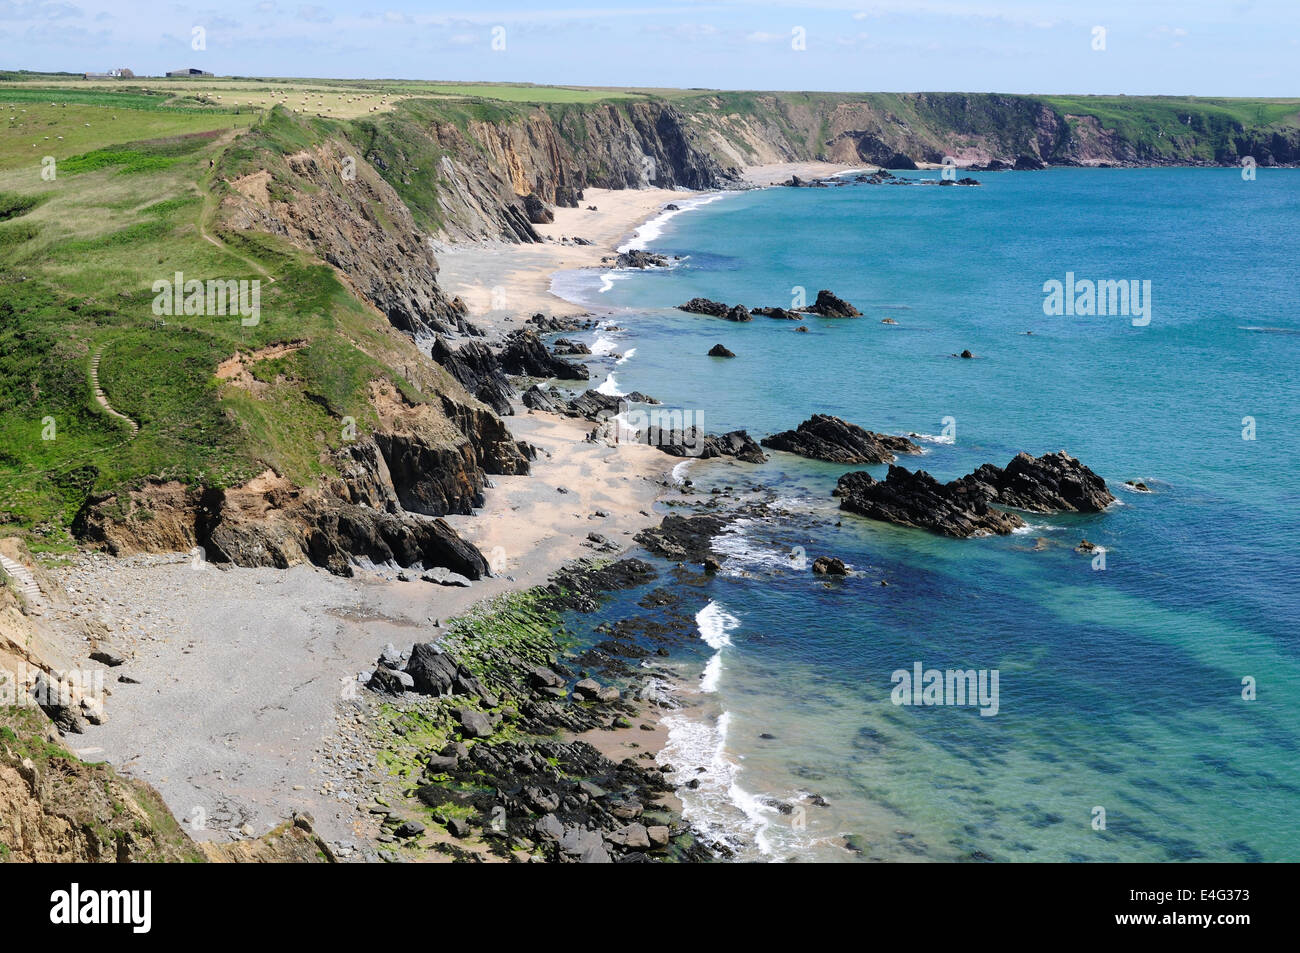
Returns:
(829,566)
(719,351)
(473,723)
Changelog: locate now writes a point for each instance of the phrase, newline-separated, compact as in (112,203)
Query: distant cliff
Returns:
(465,168)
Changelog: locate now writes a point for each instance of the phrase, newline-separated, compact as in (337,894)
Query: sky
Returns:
(1232,48)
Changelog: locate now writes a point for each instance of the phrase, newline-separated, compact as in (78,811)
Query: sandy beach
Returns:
(500,281)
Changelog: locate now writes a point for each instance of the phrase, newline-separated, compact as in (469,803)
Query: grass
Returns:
(78,259)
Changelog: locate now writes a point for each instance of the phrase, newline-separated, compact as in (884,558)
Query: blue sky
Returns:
(1233,48)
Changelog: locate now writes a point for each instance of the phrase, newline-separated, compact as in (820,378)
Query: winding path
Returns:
(102,398)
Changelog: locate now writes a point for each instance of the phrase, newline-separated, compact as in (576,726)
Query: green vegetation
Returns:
(79,256)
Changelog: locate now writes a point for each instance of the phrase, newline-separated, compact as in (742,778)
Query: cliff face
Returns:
(465,174)
(465,168)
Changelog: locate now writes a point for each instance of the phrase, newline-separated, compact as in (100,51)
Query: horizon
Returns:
(1011,47)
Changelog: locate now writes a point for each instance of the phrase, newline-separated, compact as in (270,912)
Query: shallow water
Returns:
(1119,688)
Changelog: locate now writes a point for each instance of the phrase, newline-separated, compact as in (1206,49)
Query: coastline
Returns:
(286,743)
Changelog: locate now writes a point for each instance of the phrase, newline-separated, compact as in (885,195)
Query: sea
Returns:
(1141,699)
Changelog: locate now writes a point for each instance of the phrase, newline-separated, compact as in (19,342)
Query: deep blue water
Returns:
(1119,688)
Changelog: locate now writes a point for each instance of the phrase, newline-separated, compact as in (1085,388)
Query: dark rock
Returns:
(478,370)
(967,355)
(409,829)
(1028,163)
(386,681)
(719,351)
(1054,482)
(474,724)
(780,313)
(639,258)
(739,313)
(715,309)
(537,399)
(828,305)
(822,437)
(829,566)
(536,210)
(524,354)
(802,329)
(107,658)
(711,565)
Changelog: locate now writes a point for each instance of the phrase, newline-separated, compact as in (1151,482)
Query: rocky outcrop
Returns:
(1055,482)
(918,499)
(525,354)
(479,372)
(828,305)
(536,210)
(822,437)
(360,227)
(704,446)
(641,259)
(719,350)
(714,309)
(1052,483)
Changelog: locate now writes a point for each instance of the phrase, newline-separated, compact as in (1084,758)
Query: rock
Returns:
(822,437)
(966,355)
(658,835)
(1085,546)
(801,329)
(739,313)
(107,658)
(899,161)
(829,566)
(445,577)
(719,351)
(537,399)
(389,656)
(586,689)
(828,305)
(1054,482)
(524,354)
(478,370)
(711,565)
(434,672)
(638,258)
(702,446)
(888,321)
(458,827)
(634,837)
(714,309)
(1135,484)
(564,346)
(386,681)
(440,764)
(780,313)
(1028,163)
(408,830)
(919,500)
(474,724)
(536,211)
(549,828)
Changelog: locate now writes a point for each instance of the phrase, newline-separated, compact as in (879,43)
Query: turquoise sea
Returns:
(1120,688)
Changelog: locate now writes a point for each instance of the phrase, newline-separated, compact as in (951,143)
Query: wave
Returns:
(719,807)
(610,386)
(626,356)
(741,552)
(652,229)
(715,624)
(934,438)
(679,471)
